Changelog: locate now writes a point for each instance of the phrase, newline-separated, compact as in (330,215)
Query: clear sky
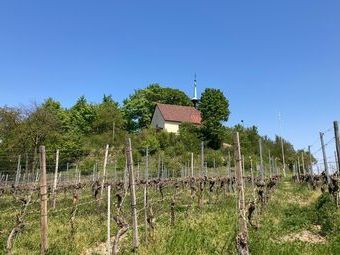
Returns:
(267,56)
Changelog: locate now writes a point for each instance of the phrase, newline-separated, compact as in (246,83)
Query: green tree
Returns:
(10,119)
(214,107)
(139,107)
(190,137)
(108,123)
(82,115)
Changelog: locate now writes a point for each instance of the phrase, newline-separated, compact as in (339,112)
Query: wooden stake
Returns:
(104,169)
(261,161)
(310,162)
(145,200)
(242,237)
(135,241)
(303,162)
(192,164)
(43,202)
(109,220)
(55,178)
(252,178)
(270,164)
(337,144)
(159,166)
(17,176)
(324,158)
(202,158)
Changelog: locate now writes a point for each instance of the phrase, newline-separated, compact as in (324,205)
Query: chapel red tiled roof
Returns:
(179,113)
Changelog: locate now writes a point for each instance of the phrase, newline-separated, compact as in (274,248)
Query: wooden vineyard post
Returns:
(55,178)
(17,176)
(252,178)
(270,164)
(192,164)
(43,202)
(125,176)
(303,162)
(145,200)
(229,173)
(337,144)
(104,169)
(109,220)
(297,172)
(261,161)
(115,171)
(324,158)
(242,237)
(310,162)
(93,172)
(159,166)
(26,167)
(135,241)
(202,158)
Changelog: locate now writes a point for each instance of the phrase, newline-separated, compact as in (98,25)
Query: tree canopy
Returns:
(214,107)
(139,107)
(87,126)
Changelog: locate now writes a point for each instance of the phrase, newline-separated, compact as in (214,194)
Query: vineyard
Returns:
(148,208)
(169,127)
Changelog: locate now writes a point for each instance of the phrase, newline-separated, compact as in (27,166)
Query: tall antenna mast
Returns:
(195,100)
(282,149)
(195,88)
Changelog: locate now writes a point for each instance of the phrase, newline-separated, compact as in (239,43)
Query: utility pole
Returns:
(324,157)
(337,143)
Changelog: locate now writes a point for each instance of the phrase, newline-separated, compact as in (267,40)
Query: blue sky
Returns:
(266,56)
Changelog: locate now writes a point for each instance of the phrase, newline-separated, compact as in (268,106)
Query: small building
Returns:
(169,117)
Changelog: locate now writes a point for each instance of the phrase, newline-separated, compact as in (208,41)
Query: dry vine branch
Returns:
(20,224)
(123,227)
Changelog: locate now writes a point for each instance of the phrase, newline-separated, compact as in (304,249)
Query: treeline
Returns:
(82,131)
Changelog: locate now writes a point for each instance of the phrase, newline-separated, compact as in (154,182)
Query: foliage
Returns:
(214,107)
(139,107)
(88,126)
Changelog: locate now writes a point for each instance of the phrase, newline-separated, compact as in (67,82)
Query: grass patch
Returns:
(288,218)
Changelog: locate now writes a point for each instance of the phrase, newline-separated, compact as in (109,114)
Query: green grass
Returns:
(212,229)
(291,210)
